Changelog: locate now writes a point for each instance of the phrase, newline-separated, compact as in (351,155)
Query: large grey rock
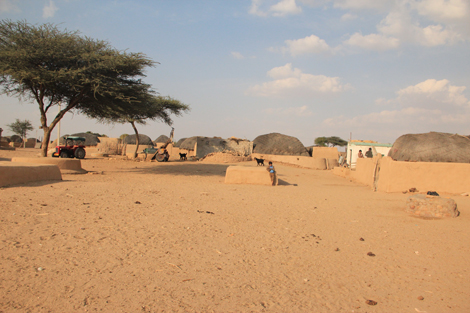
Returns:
(431,206)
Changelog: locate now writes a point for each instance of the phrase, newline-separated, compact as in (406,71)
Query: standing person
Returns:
(360,155)
(369,153)
(272,173)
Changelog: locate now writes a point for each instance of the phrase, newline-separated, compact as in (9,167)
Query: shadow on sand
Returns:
(180,168)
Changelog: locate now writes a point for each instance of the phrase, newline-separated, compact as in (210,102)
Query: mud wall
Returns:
(400,176)
(325,153)
(302,161)
(12,173)
(397,176)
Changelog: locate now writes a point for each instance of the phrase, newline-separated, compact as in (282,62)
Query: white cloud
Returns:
(348,17)
(49,10)
(364,4)
(374,42)
(295,111)
(254,8)
(281,8)
(314,3)
(400,25)
(429,105)
(292,82)
(237,55)
(307,45)
(443,10)
(433,93)
(7,6)
(285,7)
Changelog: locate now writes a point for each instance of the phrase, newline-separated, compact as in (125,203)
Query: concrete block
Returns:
(248,175)
(20,173)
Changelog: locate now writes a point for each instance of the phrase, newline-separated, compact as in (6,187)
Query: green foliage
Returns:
(336,141)
(53,67)
(327,141)
(21,128)
(321,141)
(123,136)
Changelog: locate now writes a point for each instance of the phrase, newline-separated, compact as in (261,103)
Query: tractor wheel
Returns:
(160,157)
(80,153)
(64,154)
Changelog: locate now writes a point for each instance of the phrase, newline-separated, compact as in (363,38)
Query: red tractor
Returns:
(74,148)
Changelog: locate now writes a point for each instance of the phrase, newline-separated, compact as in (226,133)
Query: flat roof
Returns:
(369,144)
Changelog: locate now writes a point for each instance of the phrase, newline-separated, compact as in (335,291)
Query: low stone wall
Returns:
(62,163)
(302,161)
(385,174)
(248,175)
(19,173)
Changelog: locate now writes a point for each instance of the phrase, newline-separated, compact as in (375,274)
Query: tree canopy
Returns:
(21,128)
(52,67)
(151,108)
(327,141)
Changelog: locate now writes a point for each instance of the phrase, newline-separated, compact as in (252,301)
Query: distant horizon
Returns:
(303,68)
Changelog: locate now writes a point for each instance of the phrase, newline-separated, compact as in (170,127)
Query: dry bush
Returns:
(110,146)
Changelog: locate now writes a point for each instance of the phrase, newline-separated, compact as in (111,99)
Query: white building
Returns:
(356,145)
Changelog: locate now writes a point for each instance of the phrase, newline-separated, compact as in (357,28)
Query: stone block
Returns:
(248,175)
(431,206)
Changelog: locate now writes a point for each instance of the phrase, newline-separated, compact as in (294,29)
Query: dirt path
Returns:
(150,237)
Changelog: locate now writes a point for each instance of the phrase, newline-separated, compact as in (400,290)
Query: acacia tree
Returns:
(333,141)
(151,107)
(21,128)
(52,67)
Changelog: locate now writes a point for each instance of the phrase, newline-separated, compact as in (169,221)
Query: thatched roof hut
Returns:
(15,138)
(279,144)
(188,143)
(162,138)
(431,147)
(179,142)
(143,140)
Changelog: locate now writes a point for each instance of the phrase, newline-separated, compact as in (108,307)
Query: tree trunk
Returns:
(136,139)
(45,141)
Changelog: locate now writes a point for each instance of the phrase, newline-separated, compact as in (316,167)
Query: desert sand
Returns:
(173,237)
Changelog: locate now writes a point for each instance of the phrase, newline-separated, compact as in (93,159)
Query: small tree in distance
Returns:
(21,128)
(330,141)
(321,141)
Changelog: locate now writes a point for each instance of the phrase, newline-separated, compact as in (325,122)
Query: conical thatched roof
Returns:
(431,147)
(189,143)
(16,138)
(179,142)
(278,144)
(143,140)
(162,138)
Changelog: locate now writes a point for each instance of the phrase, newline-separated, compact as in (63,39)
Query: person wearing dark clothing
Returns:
(369,153)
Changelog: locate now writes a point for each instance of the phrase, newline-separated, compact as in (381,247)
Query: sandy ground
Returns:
(172,237)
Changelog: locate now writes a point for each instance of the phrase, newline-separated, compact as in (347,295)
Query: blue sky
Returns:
(306,68)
